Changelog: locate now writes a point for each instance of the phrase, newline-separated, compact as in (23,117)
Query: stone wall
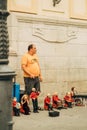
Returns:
(61,47)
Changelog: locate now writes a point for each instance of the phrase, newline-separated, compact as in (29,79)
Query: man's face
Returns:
(34,50)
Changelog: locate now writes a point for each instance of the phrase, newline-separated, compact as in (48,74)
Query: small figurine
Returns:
(56,101)
(68,100)
(34,96)
(25,104)
(16,107)
(73,92)
(47,102)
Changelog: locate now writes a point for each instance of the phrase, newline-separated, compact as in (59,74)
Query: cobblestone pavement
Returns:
(70,119)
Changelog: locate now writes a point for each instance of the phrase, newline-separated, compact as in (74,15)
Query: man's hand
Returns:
(40,78)
(32,76)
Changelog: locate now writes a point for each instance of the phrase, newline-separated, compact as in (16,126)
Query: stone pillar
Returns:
(6,73)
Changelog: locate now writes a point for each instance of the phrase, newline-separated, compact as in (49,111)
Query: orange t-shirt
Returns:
(31,63)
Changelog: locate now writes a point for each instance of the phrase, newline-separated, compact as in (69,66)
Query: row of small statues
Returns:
(50,102)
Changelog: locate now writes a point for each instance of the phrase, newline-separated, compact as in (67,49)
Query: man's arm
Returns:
(40,75)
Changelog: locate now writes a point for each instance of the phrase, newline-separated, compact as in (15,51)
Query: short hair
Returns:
(30,47)
(72,88)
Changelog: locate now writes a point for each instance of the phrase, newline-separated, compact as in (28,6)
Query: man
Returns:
(31,68)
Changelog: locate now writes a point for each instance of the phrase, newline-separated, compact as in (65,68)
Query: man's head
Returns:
(48,95)
(32,49)
(14,99)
